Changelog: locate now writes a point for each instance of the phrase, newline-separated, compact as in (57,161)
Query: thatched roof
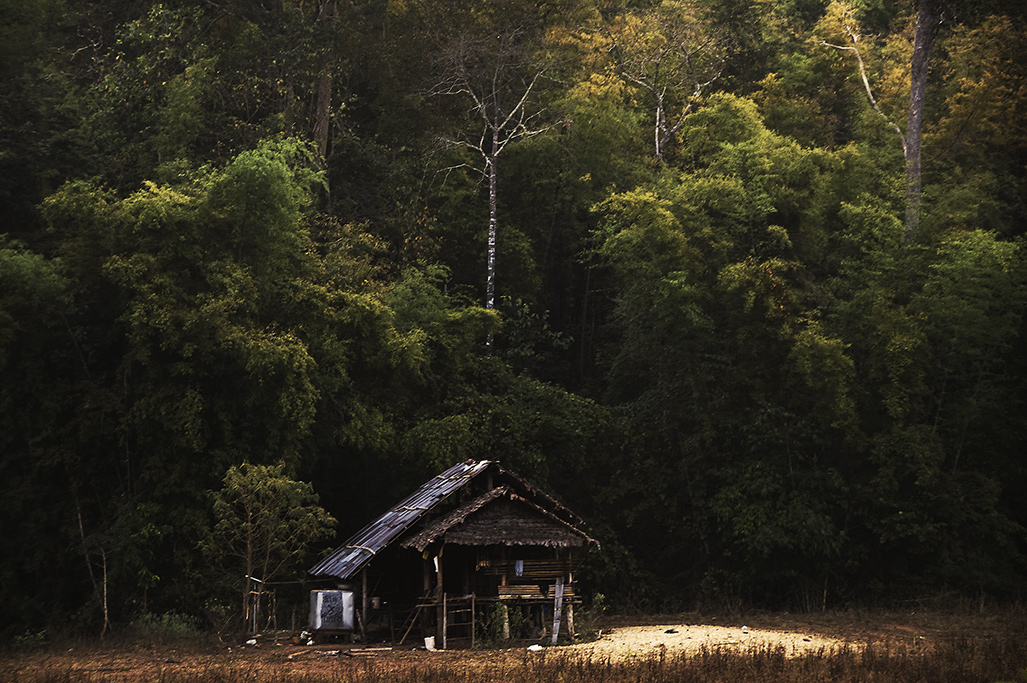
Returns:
(500,517)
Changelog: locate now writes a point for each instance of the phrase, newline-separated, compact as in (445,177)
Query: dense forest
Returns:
(742,282)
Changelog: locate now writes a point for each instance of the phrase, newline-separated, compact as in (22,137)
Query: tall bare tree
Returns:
(497,74)
(666,52)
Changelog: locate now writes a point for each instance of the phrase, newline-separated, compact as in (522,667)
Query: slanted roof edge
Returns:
(362,546)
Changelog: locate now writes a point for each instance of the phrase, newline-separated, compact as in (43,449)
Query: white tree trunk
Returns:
(490,271)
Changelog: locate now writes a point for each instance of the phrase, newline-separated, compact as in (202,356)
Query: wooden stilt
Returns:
(445,621)
(440,599)
(363,604)
(557,608)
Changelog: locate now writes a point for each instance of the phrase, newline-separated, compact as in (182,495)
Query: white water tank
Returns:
(332,611)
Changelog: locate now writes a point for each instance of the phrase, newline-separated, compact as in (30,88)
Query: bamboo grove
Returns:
(677,261)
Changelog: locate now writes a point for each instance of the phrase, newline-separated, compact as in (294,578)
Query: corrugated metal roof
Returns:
(366,543)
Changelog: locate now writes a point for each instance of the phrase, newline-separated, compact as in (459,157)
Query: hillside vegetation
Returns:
(742,282)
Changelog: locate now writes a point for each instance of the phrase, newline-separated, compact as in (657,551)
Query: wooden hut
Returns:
(472,538)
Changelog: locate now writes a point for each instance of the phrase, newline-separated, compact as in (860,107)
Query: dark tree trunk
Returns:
(323,105)
(927,22)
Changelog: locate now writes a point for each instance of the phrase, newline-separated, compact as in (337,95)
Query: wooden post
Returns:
(570,605)
(445,621)
(440,619)
(363,604)
(557,607)
(423,613)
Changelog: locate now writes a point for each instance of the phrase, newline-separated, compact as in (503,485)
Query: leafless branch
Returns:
(681,61)
(854,37)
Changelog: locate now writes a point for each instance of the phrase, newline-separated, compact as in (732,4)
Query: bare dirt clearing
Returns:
(642,641)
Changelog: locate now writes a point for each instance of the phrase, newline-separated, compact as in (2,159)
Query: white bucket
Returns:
(429,643)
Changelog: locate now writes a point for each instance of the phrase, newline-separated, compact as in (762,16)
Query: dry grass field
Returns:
(876,647)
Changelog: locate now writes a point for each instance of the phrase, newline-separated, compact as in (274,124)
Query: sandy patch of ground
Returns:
(641,641)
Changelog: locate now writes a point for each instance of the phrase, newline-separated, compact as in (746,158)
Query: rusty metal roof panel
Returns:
(348,559)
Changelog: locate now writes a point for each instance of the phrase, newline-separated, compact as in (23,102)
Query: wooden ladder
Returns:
(408,625)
